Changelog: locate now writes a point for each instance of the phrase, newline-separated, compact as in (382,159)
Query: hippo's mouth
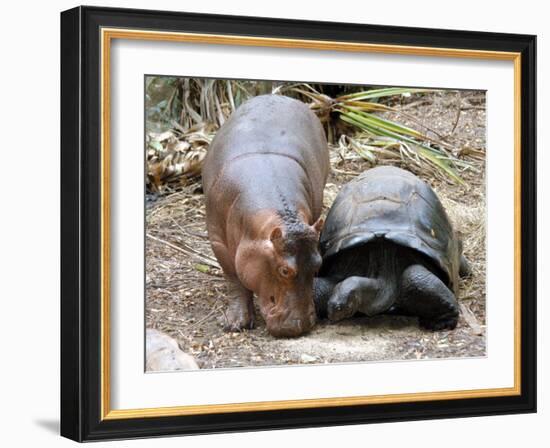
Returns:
(282,322)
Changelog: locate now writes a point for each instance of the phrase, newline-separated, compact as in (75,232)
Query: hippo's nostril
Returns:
(272,300)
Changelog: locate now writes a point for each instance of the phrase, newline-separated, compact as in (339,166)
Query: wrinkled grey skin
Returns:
(389,247)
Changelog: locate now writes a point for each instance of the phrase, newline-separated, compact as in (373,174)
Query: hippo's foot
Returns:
(424,295)
(240,313)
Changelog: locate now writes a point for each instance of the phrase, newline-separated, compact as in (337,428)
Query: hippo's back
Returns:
(272,126)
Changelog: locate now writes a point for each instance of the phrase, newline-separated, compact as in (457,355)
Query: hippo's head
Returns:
(280,270)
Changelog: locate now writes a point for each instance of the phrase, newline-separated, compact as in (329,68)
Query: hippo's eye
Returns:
(285,272)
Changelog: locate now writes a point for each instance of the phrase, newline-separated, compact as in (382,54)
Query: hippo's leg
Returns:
(424,295)
(366,295)
(240,313)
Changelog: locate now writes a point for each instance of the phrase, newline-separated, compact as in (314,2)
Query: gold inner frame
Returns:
(107,35)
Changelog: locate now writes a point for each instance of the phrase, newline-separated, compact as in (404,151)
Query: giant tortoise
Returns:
(388,246)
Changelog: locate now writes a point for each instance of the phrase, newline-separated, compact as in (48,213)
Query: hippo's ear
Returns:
(318,225)
(276,238)
(276,234)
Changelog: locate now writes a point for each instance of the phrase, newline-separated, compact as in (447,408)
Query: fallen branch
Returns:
(471,319)
(204,319)
(188,251)
(187,232)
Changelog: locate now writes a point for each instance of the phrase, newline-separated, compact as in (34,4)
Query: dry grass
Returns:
(186,292)
(368,124)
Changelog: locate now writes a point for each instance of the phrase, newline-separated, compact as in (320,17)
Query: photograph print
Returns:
(294,223)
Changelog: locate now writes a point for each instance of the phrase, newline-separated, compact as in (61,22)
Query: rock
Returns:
(162,353)
(307,359)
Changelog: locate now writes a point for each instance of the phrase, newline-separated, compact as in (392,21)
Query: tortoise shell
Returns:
(393,204)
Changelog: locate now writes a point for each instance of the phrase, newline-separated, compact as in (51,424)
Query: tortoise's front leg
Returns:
(424,295)
(322,290)
(240,310)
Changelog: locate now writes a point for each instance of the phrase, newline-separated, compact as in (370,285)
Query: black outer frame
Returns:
(81,207)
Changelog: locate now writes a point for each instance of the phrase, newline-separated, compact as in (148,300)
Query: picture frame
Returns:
(87,34)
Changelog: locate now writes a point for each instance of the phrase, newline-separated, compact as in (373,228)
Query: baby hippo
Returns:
(263,178)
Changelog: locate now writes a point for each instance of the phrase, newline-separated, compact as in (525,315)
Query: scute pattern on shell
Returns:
(391,203)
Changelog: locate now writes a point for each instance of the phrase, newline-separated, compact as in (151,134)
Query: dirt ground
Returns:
(186,292)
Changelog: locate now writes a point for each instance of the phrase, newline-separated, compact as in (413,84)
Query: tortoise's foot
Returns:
(441,323)
(424,295)
(240,313)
